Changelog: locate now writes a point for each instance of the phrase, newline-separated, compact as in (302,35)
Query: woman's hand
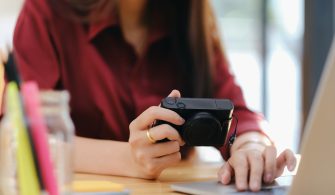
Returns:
(3,59)
(153,158)
(254,162)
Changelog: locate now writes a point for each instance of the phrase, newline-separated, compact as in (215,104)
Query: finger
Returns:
(286,158)
(3,57)
(240,166)
(270,154)
(174,93)
(144,120)
(256,162)
(163,131)
(163,149)
(168,160)
(225,173)
(291,160)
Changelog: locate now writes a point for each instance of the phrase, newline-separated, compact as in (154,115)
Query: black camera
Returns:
(207,121)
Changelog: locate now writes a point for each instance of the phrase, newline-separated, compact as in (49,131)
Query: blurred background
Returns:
(276,49)
(264,43)
(9,10)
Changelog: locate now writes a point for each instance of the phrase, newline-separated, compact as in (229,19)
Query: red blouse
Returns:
(109,85)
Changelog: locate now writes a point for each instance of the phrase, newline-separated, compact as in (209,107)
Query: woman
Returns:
(118,59)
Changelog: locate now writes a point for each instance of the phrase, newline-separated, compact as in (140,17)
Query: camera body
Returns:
(207,121)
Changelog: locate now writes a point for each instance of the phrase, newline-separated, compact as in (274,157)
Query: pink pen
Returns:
(39,134)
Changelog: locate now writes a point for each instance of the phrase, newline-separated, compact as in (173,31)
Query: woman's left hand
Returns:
(256,162)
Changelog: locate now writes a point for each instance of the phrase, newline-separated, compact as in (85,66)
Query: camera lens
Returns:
(201,129)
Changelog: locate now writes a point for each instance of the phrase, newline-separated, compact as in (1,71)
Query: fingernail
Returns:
(241,186)
(255,186)
(224,177)
(268,177)
(290,167)
(182,120)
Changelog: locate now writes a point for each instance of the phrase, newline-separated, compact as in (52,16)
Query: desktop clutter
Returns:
(37,133)
(36,142)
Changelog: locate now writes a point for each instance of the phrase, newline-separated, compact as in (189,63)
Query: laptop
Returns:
(316,173)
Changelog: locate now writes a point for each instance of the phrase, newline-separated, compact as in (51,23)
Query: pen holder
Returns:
(55,111)
(8,171)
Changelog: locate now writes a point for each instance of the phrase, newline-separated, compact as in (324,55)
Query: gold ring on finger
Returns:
(150,138)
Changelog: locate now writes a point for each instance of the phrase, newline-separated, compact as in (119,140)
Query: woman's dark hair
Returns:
(193,29)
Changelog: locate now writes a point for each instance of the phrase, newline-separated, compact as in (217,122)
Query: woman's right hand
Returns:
(152,158)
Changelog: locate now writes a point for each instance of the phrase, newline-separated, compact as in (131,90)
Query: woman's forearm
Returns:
(103,157)
(252,139)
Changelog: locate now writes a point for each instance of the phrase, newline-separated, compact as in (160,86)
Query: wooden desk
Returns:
(184,172)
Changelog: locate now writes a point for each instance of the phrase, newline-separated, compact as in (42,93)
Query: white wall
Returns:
(9,10)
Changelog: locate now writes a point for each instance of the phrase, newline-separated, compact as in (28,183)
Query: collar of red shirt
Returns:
(112,20)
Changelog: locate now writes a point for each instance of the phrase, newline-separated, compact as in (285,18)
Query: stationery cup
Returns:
(55,110)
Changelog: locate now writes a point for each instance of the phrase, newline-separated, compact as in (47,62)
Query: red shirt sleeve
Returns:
(33,45)
(225,86)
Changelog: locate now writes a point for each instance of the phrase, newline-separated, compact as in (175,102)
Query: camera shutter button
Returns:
(181,105)
(171,101)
